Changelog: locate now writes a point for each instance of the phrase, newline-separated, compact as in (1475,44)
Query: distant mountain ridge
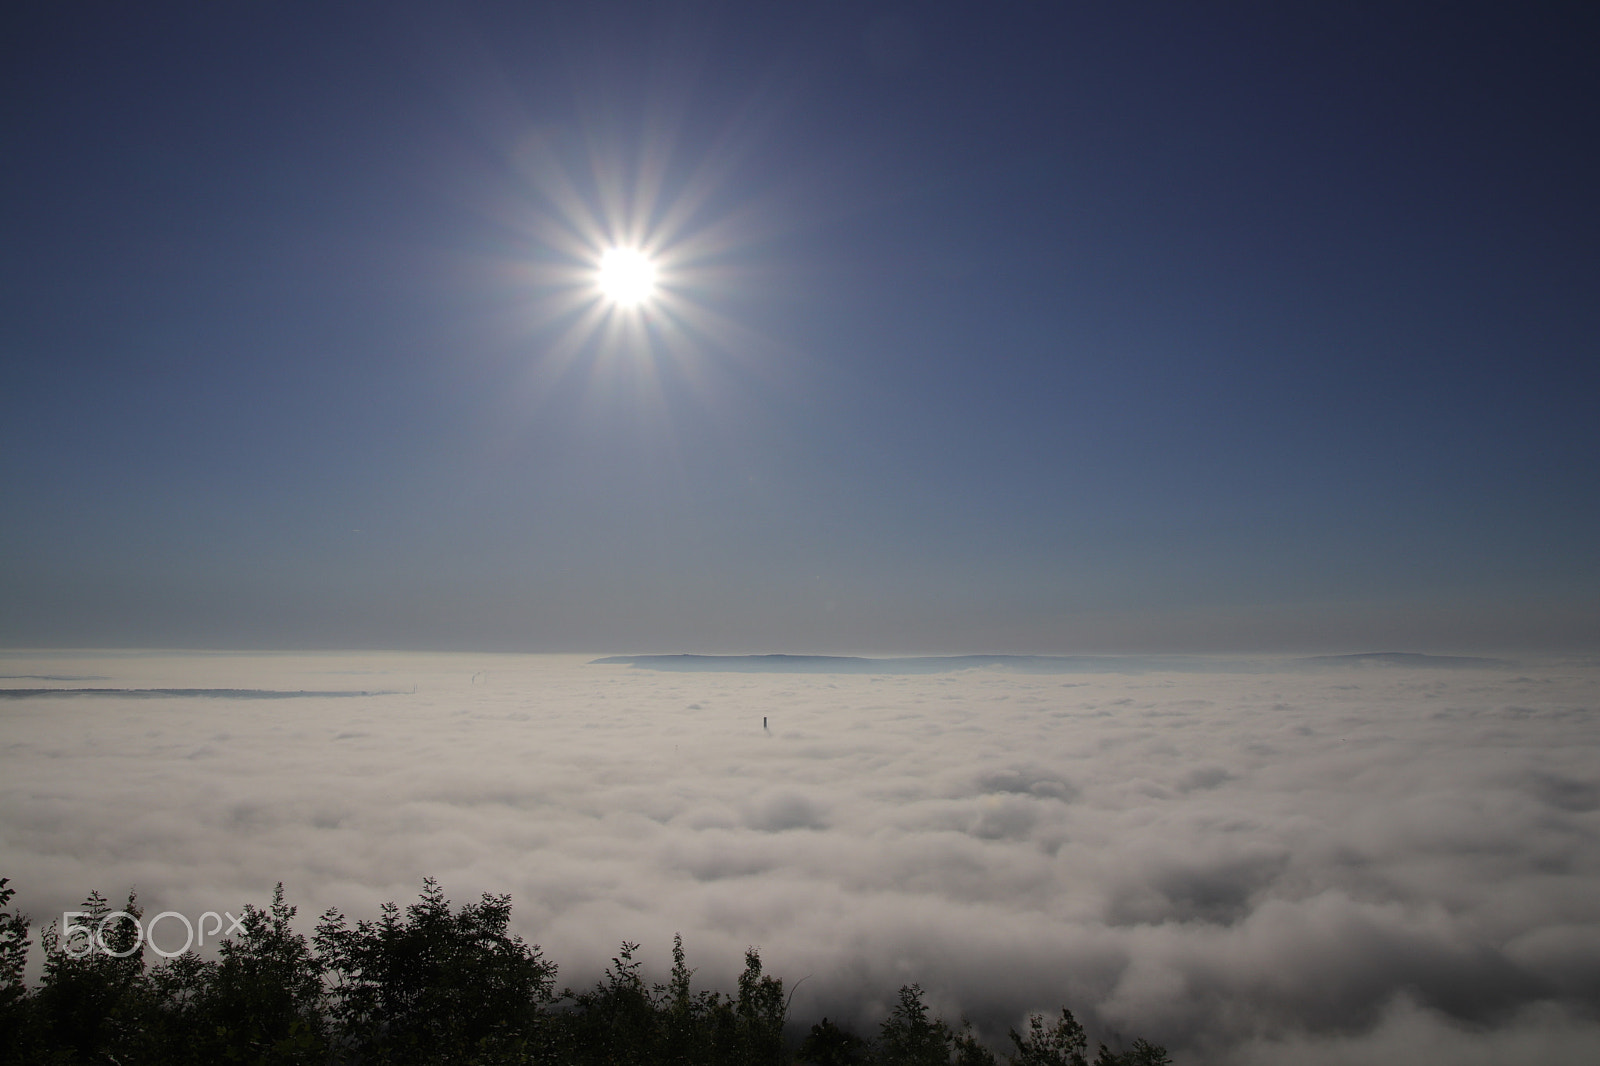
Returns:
(205,693)
(1401,658)
(778,663)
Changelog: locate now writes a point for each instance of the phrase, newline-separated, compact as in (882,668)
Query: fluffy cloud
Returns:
(1352,862)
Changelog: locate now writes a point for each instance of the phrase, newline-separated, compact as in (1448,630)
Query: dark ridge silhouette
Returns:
(917,664)
(53,677)
(199,693)
(1401,658)
(1030,664)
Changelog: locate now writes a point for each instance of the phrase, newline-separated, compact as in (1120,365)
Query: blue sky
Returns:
(1034,328)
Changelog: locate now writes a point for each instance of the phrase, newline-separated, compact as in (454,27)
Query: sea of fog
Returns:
(1350,860)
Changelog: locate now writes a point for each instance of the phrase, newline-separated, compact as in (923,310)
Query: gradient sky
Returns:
(1029,327)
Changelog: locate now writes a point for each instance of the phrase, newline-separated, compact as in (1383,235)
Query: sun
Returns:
(627,276)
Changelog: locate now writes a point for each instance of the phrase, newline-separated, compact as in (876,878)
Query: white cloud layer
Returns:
(1380,864)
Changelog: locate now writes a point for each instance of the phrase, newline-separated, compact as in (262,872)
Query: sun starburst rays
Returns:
(618,266)
(619,278)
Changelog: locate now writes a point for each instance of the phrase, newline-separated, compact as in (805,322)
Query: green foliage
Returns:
(1062,1044)
(968,1051)
(622,1021)
(908,1037)
(432,984)
(761,1012)
(13,945)
(92,1005)
(260,1002)
(688,1023)
(16,1036)
(829,1045)
(1142,1053)
(617,1021)
(427,986)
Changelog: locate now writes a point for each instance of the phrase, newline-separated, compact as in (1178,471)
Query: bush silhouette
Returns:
(261,1001)
(829,1045)
(1142,1053)
(16,1015)
(430,984)
(93,1003)
(1061,1044)
(908,1037)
